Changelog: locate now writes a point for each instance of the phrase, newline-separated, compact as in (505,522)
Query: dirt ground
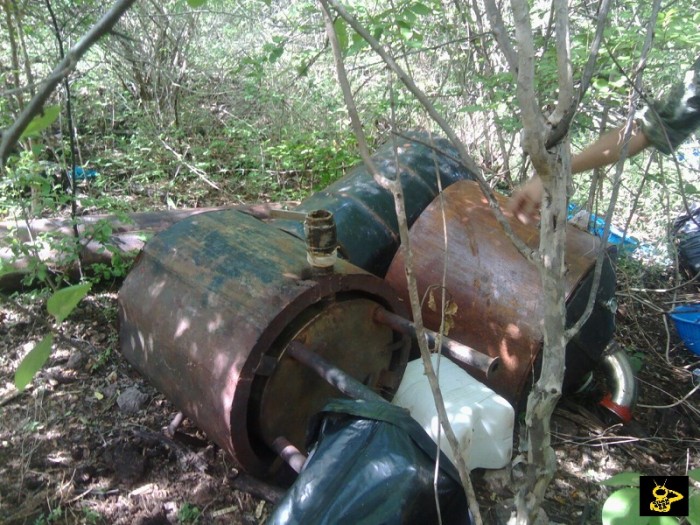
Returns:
(70,454)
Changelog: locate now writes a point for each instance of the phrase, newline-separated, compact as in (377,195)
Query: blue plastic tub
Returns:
(686,318)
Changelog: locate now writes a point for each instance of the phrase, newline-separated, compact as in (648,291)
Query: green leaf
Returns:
(623,479)
(341,31)
(406,32)
(407,17)
(358,43)
(41,122)
(694,474)
(619,82)
(5,268)
(275,53)
(196,3)
(32,362)
(601,83)
(694,507)
(622,508)
(658,178)
(62,303)
(420,9)
(473,108)
(636,361)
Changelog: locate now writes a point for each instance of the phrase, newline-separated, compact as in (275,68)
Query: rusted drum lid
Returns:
(496,291)
(344,333)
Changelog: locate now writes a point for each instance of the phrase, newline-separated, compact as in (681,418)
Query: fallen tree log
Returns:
(126,238)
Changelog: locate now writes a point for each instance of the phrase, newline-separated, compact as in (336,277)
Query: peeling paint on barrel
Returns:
(212,298)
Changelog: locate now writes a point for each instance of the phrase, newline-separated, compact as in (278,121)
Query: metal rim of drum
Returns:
(252,452)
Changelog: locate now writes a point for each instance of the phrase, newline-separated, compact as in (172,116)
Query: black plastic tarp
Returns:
(371,464)
(686,230)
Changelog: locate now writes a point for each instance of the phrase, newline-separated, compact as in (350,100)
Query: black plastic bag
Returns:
(372,464)
(686,230)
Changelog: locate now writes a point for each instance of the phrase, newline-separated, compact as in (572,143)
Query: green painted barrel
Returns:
(209,310)
(364,212)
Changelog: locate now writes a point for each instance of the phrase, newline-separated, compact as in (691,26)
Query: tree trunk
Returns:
(542,463)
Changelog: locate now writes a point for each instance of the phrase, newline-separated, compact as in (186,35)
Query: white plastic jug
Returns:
(481,419)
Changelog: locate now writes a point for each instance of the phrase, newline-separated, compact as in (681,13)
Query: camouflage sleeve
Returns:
(670,121)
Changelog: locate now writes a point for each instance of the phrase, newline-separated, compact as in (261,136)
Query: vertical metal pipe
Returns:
(345,383)
(321,240)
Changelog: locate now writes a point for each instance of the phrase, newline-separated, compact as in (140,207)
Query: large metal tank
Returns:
(209,312)
(498,293)
(368,231)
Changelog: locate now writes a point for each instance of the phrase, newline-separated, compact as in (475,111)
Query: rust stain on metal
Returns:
(497,291)
(206,315)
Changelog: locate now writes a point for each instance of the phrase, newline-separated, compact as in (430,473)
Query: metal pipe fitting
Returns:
(621,381)
(458,352)
(289,453)
(321,240)
(333,375)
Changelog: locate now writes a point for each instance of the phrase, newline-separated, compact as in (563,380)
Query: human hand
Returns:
(526,200)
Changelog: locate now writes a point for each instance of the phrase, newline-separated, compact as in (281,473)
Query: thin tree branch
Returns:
(71,136)
(493,13)
(23,44)
(619,167)
(566,102)
(21,89)
(554,168)
(11,135)
(532,119)
(561,128)
(465,158)
(396,189)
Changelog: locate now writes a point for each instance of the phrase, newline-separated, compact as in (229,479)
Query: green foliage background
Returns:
(220,102)
(231,101)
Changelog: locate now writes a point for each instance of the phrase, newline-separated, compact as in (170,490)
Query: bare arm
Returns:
(606,150)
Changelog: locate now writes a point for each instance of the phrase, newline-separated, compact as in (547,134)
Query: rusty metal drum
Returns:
(208,312)
(497,292)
